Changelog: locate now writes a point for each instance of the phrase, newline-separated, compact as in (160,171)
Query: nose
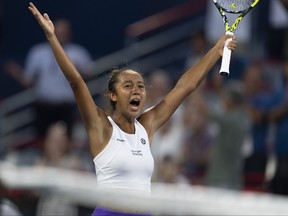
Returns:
(136,90)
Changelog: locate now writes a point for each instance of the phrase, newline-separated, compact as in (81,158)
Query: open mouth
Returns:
(134,104)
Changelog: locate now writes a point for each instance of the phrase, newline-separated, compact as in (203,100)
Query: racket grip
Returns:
(225,64)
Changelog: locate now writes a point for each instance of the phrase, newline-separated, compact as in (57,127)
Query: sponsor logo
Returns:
(143,141)
(137,152)
(121,140)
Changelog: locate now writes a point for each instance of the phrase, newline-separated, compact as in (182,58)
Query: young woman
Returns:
(120,143)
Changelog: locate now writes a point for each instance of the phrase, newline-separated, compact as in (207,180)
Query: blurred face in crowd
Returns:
(56,142)
(63,31)
(160,85)
(253,79)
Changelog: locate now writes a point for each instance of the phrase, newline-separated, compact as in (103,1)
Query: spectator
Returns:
(277,36)
(258,95)
(167,140)
(198,47)
(198,138)
(159,84)
(226,160)
(58,153)
(55,100)
(169,171)
(279,116)
(58,149)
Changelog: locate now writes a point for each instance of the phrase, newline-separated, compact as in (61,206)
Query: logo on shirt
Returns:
(137,152)
(143,141)
(121,140)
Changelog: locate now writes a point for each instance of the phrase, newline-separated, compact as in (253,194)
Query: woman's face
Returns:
(130,93)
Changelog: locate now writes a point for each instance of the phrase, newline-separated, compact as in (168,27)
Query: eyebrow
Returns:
(130,81)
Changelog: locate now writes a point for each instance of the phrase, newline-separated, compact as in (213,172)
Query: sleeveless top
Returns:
(126,162)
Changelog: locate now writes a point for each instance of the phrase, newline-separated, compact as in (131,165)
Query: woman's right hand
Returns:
(44,20)
(222,41)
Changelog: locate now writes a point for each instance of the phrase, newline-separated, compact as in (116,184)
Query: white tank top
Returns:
(126,162)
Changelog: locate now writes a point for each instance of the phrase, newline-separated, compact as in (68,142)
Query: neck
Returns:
(126,125)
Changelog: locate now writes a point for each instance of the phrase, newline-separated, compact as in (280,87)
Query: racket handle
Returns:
(225,64)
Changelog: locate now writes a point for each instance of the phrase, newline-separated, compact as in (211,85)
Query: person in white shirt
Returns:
(54,97)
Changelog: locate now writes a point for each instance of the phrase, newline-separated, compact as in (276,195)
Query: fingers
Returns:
(232,36)
(232,42)
(33,8)
(36,12)
(46,16)
(228,40)
(39,17)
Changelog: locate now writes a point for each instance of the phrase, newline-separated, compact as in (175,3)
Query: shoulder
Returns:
(77,47)
(39,48)
(78,52)
(146,121)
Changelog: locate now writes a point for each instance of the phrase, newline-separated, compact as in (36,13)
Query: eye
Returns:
(127,86)
(141,86)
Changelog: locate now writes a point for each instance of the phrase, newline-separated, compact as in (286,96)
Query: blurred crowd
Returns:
(230,133)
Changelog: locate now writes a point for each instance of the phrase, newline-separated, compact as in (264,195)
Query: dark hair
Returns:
(114,79)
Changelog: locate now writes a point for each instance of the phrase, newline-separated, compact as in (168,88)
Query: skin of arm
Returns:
(95,120)
(153,118)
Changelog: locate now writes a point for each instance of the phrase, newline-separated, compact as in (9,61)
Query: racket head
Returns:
(236,6)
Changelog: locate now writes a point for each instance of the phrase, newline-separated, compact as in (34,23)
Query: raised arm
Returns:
(94,118)
(188,82)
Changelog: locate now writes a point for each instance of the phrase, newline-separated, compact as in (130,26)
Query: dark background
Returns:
(97,25)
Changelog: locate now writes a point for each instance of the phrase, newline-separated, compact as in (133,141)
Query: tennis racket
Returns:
(241,7)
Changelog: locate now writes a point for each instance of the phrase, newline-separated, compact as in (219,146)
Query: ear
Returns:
(112,96)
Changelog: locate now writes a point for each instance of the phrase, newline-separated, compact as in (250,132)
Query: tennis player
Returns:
(120,143)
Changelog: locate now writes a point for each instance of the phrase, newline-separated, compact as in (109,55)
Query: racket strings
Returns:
(235,6)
